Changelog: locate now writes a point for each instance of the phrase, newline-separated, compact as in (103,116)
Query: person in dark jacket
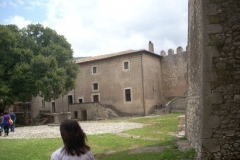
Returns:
(5,123)
(13,117)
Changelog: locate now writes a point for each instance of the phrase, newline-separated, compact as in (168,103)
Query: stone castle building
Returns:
(133,82)
(207,77)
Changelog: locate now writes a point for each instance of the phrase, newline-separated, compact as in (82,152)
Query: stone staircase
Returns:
(159,111)
(176,105)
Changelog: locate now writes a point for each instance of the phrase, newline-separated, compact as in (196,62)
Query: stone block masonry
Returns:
(213,107)
(174,73)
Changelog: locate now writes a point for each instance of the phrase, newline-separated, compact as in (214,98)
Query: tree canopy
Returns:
(34,61)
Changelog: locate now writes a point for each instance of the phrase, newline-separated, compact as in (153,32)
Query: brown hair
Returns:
(73,137)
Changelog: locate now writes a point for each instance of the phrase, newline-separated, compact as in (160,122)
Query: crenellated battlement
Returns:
(174,69)
(179,51)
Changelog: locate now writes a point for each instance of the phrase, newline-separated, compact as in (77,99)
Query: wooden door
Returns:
(95,98)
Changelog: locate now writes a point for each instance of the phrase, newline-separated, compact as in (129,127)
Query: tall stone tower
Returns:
(213,103)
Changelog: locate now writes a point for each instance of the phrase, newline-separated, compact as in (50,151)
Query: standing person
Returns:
(5,123)
(1,127)
(13,117)
(74,143)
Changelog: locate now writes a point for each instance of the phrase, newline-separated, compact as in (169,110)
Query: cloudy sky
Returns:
(96,27)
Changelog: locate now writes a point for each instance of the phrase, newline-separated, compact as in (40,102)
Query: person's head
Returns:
(73,137)
(5,113)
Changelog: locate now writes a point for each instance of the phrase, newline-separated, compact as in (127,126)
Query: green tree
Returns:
(35,61)
(7,62)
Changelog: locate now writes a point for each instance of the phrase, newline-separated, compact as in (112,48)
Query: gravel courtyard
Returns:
(52,131)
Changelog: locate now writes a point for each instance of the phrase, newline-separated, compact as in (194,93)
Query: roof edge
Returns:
(105,56)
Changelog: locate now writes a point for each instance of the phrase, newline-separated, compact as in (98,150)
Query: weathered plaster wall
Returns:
(152,85)
(61,105)
(143,78)
(112,80)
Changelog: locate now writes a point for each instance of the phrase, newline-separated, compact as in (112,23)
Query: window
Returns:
(94,70)
(43,103)
(53,107)
(80,100)
(95,86)
(127,95)
(70,99)
(126,65)
(75,114)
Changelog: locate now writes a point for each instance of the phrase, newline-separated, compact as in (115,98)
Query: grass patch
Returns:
(154,134)
(29,149)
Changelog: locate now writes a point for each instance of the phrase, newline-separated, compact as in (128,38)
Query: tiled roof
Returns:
(108,56)
(76,58)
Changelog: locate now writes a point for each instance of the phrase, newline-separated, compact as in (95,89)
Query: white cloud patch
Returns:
(19,21)
(106,26)
(100,27)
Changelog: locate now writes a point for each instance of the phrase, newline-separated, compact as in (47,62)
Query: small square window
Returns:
(94,70)
(128,95)
(80,100)
(95,86)
(126,65)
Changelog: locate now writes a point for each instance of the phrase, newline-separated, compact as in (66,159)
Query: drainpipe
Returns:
(143,88)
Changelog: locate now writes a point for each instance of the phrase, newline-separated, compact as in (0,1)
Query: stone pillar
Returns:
(181,125)
(213,112)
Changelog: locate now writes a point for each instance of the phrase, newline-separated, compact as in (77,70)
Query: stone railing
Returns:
(176,105)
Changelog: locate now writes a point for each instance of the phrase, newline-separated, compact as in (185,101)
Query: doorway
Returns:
(84,115)
(53,107)
(75,114)
(70,99)
(95,98)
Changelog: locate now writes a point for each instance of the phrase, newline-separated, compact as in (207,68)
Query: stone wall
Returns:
(177,104)
(221,76)
(88,111)
(174,73)
(214,41)
(194,87)
(112,80)
(152,85)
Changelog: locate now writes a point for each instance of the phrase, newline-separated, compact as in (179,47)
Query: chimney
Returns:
(150,45)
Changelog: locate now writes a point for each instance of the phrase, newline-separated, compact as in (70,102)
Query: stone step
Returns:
(181,125)
(177,111)
(181,120)
(158,111)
